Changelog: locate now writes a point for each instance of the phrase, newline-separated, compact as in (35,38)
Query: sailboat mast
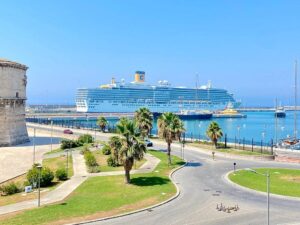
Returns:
(276,121)
(295,109)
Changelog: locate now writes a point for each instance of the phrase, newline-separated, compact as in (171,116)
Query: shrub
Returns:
(90,159)
(85,138)
(91,162)
(94,169)
(106,150)
(46,176)
(64,144)
(10,189)
(84,149)
(112,162)
(61,174)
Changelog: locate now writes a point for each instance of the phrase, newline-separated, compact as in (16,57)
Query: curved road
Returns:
(203,186)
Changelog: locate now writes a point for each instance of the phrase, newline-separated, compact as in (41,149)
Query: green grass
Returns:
(59,162)
(105,196)
(101,160)
(282,181)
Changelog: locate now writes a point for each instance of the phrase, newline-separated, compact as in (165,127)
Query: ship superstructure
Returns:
(128,97)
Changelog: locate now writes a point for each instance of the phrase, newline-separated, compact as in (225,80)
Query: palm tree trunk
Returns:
(127,176)
(169,153)
(127,167)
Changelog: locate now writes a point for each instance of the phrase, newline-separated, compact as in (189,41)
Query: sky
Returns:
(247,47)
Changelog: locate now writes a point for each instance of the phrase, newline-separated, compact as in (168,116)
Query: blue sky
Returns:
(247,47)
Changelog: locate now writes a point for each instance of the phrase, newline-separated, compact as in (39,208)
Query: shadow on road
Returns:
(41,141)
(149,181)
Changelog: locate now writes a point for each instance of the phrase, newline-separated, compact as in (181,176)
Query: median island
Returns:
(282,181)
(100,197)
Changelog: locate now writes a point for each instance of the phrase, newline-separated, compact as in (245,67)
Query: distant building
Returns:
(13,81)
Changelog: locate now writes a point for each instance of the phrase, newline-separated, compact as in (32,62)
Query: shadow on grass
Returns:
(149,181)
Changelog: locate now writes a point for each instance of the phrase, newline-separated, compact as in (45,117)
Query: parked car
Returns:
(148,143)
(68,131)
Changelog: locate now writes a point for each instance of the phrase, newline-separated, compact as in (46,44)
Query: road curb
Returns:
(144,209)
(227,180)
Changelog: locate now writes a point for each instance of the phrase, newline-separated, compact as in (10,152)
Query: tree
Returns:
(170,128)
(214,132)
(144,119)
(115,144)
(133,148)
(102,123)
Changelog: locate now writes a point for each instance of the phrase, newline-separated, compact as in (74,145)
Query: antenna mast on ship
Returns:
(295,109)
(196,101)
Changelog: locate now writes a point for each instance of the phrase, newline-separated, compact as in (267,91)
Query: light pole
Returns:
(267,175)
(263,136)
(33,142)
(39,167)
(51,134)
(200,125)
(67,150)
(238,128)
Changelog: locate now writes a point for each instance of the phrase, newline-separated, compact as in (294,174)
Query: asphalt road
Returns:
(203,186)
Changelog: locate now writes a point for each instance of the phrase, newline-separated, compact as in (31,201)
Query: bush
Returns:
(90,159)
(85,139)
(94,169)
(64,144)
(112,162)
(61,174)
(46,176)
(84,149)
(10,189)
(91,162)
(106,150)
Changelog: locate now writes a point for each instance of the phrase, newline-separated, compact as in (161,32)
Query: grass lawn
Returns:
(53,164)
(59,162)
(228,150)
(101,159)
(104,196)
(282,181)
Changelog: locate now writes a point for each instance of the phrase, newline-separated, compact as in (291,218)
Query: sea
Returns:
(257,126)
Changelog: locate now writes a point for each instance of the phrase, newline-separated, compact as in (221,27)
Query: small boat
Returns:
(229,112)
(280,112)
(190,114)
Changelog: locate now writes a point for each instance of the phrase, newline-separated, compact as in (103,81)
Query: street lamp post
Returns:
(39,167)
(51,134)
(267,175)
(238,128)
(33,140)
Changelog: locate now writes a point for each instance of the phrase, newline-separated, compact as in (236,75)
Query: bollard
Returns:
(213,155)
(234,165)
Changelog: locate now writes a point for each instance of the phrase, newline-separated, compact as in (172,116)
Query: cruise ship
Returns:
(128,97)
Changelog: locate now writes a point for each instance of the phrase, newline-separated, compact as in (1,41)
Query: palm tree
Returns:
(102,123)
(133,148)
(214,132)
(115,143)
(144,119)
(170,128)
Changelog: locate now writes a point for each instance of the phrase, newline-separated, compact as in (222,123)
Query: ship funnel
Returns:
(139,77)
(113,81)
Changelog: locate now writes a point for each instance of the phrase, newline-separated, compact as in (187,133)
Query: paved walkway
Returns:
(80,175)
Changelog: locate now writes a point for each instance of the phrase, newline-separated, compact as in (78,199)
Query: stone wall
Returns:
(13,83)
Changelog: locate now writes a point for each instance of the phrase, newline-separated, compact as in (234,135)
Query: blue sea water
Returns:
(257,125)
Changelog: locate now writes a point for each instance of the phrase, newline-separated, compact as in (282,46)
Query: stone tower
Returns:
(13,81)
